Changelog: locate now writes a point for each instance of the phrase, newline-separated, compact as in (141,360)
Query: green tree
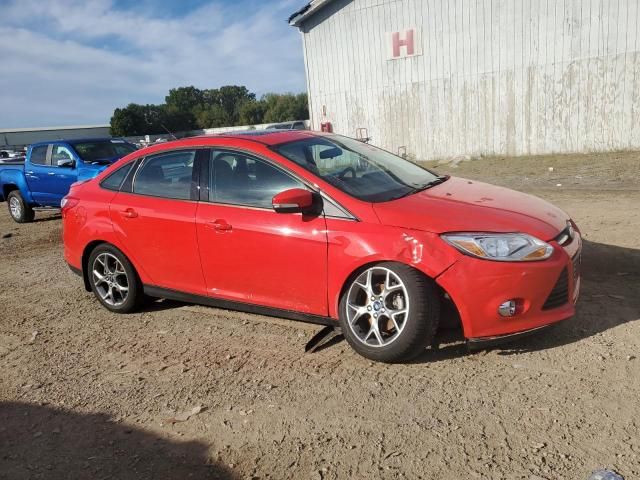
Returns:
(211,116)
(232,97)
(285,107)
(184,99)
(126,121)
(176,120)
(251,112)
(187,108)
(136,119)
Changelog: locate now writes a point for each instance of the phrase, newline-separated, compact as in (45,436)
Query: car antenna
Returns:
(169,132)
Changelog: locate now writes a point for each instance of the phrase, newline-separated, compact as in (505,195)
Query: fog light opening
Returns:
(508,308)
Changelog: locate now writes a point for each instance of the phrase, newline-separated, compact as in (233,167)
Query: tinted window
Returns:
(114,181)
(103,150)
(356,168)
(39,155)
(167,175)
(241,180)
(60,152)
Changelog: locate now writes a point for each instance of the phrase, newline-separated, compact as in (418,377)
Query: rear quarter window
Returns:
(115,179)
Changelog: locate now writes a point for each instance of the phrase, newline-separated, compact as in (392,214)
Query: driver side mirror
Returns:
(294,200)
(66,163)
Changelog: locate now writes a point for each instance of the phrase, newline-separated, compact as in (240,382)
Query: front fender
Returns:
(353,245)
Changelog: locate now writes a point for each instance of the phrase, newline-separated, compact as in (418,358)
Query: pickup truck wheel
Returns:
(389,312)
(113,280)
(18,208)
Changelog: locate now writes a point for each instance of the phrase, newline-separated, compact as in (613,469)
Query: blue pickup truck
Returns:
(49,170)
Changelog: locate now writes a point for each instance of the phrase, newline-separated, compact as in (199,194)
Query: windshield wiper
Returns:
(432,183)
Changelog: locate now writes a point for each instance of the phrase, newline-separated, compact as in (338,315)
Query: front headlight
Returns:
(503,247)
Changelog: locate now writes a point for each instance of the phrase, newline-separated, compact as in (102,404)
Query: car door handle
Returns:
(29,172)
(220,225)
(51,173)
(129,213)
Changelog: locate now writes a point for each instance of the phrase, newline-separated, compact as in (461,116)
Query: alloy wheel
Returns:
(110,279)
(15,207)
(377,307)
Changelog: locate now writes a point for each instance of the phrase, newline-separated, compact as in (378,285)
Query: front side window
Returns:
(39,155)
(358,169)
(60,152)
(167,175)
(239,179)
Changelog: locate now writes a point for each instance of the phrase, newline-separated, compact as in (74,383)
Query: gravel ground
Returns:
(180,391)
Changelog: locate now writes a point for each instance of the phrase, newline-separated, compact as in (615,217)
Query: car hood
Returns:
(89,171)
(460,205)
(101,162)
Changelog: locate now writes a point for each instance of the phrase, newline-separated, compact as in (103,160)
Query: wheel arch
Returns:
(450,316)
(358,270)
(349,278)
(86,253)
(7,188)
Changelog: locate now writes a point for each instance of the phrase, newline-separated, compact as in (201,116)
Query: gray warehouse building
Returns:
(439,79)
(20,137)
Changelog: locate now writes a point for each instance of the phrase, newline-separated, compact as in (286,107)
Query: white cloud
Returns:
(72,62)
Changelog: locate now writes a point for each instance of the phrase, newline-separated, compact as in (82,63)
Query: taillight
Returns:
(68,203)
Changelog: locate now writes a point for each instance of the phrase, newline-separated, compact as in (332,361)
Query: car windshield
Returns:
(103,150)
(361,170)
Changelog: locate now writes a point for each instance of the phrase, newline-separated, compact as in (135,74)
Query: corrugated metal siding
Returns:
(496,76)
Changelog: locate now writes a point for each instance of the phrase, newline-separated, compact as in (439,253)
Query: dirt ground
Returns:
(89,394)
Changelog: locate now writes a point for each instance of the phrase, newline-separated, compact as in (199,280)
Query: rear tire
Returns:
(113,279)
(389,312)
(19,210)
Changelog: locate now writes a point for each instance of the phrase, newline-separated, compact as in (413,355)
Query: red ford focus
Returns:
(326,229)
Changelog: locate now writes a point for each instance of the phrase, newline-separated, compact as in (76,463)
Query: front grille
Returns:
(560,294)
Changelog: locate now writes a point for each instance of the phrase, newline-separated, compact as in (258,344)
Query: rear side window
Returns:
(167,175)
(114,181)
(39,155)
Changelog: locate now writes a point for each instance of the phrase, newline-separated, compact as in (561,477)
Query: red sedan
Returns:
(322,228)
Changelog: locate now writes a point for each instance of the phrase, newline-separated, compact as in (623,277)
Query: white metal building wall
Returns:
(500,77)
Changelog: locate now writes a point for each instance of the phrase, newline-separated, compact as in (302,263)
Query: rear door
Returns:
(154,216)
(36,172)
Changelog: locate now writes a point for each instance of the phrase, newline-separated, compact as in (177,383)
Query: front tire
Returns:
(19,210)
(113,279)
(389,312)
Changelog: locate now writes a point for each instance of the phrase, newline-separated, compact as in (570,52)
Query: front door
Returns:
(156,221)
(250,253)
(62,173)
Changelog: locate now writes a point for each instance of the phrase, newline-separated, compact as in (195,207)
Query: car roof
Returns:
(266,137)
(73,141)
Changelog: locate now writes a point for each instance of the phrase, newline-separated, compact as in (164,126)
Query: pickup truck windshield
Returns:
(358,169)
(103,151)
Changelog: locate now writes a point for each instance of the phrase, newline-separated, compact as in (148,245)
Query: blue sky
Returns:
(69,62)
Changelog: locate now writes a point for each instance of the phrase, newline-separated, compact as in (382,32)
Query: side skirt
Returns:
(160,292)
